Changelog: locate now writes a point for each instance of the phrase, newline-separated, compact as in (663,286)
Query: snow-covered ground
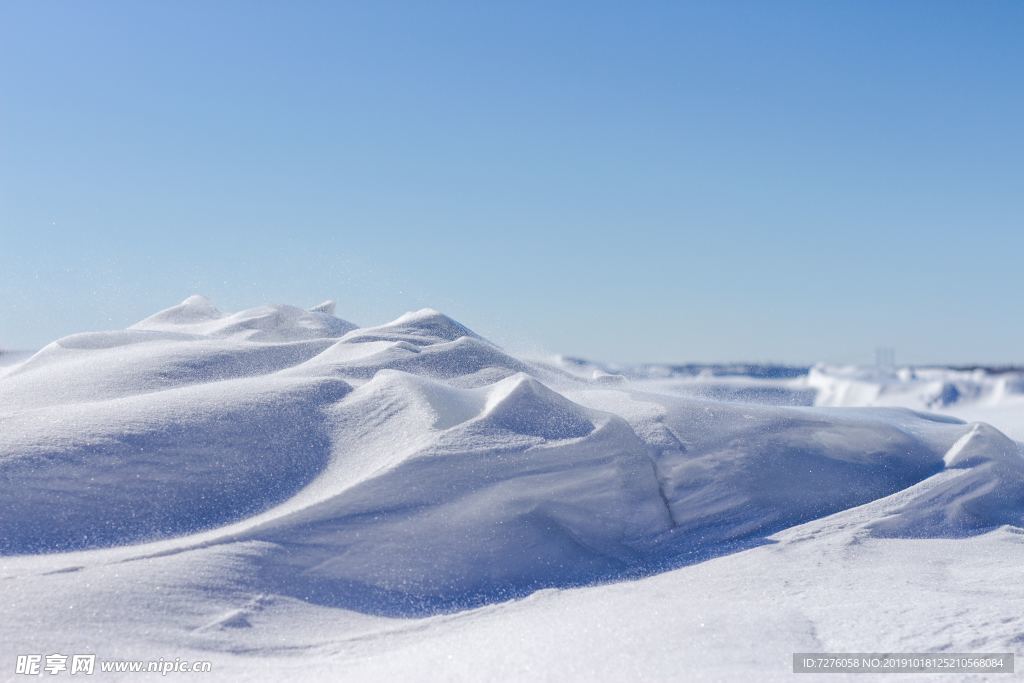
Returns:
(283,493)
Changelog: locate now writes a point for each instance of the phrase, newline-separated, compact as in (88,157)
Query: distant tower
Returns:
(885,358)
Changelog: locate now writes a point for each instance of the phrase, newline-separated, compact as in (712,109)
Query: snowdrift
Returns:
(416,467)
(924,388)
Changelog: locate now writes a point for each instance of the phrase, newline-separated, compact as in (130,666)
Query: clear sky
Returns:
(630,181)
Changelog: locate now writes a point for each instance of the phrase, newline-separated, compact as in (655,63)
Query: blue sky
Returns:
(632,181)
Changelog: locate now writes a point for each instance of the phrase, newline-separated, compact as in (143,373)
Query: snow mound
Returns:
(465,361)
(277,323)
(416,467)
(522,404)
(324,307)
(109,365)
(194,310)
(983,488)
(419,328)
(157,464)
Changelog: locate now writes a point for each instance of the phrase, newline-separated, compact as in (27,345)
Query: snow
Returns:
(279,491)
(995,396)
(197,315)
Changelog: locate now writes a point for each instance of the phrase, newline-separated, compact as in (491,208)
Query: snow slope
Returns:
(279,490)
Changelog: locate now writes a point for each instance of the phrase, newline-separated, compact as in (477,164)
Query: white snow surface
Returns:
(284,493)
